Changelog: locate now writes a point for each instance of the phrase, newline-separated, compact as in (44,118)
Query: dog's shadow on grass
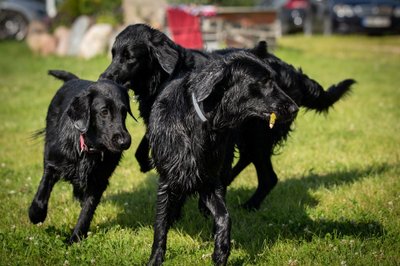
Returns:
(283,215)
(285,212)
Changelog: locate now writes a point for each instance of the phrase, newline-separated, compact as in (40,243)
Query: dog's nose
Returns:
(110,73)
(123,141)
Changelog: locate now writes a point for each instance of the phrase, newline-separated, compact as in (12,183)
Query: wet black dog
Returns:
(85,135)
(191,132)
(257,141)
(148,59)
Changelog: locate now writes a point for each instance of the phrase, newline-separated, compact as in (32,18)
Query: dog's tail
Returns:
(62,75)
(316,98)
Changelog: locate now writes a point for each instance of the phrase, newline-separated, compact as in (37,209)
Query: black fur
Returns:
(192,156)
(94,112)
(148,60)
(305,91)
(257,141)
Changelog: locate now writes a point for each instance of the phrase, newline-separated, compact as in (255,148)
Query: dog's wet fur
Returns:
(193,155)
(85,136)
(148,60)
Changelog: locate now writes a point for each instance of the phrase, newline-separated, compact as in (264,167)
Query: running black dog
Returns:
(85,135)
(191,129)
(257,141)
(148,59)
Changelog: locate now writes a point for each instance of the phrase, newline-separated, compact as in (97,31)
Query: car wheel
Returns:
(13,25)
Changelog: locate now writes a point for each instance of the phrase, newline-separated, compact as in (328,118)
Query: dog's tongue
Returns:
(272,119)
(82,143)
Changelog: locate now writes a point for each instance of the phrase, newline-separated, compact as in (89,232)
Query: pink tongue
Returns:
(82,143)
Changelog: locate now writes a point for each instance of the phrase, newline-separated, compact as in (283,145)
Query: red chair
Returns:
(185,28)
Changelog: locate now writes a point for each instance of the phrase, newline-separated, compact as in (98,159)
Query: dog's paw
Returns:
(37,212)
(75,238)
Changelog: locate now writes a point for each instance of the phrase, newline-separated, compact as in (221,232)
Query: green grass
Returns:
(337,202)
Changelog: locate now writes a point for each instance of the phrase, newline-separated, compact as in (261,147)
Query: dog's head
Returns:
(237,88)
(99,113)
(141,54)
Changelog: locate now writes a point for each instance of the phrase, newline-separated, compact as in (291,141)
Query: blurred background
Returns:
(87,28)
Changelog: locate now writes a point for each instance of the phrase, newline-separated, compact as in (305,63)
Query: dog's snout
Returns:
(110,73)
(107,75)
(122,140)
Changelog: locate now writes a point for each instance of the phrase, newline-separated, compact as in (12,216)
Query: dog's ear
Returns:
(128,105)
(203,84)
(79,112)
(165,51)
(260,50)
(130,112)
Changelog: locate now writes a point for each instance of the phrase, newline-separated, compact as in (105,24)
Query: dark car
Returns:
(292,15)
(371,16)
(301,15)
(15,16)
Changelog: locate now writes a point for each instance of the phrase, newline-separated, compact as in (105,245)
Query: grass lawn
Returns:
(337,202)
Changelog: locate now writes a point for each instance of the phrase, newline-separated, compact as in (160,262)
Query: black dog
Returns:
(257,141)
(85,135)
(148,59)
(191,130)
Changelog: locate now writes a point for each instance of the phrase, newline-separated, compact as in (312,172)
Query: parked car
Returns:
(370,16)
(301,15)
(15,16)
(292,15)
(342,16)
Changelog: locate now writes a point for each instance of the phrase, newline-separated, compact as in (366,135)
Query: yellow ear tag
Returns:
(272,119)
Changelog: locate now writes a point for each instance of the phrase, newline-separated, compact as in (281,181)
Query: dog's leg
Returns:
(89,205)
(267,179)
(142,155)
(203,208)
(243,162)
(164,217)
(176,209)
(215,202)
(38,208)
(225,177)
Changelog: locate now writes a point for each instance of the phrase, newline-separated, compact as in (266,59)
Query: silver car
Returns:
(15,16)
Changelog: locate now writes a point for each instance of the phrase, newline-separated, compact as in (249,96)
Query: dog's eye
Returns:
(127,55)
(104,112)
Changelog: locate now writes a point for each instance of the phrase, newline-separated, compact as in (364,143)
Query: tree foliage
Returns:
(109,11)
